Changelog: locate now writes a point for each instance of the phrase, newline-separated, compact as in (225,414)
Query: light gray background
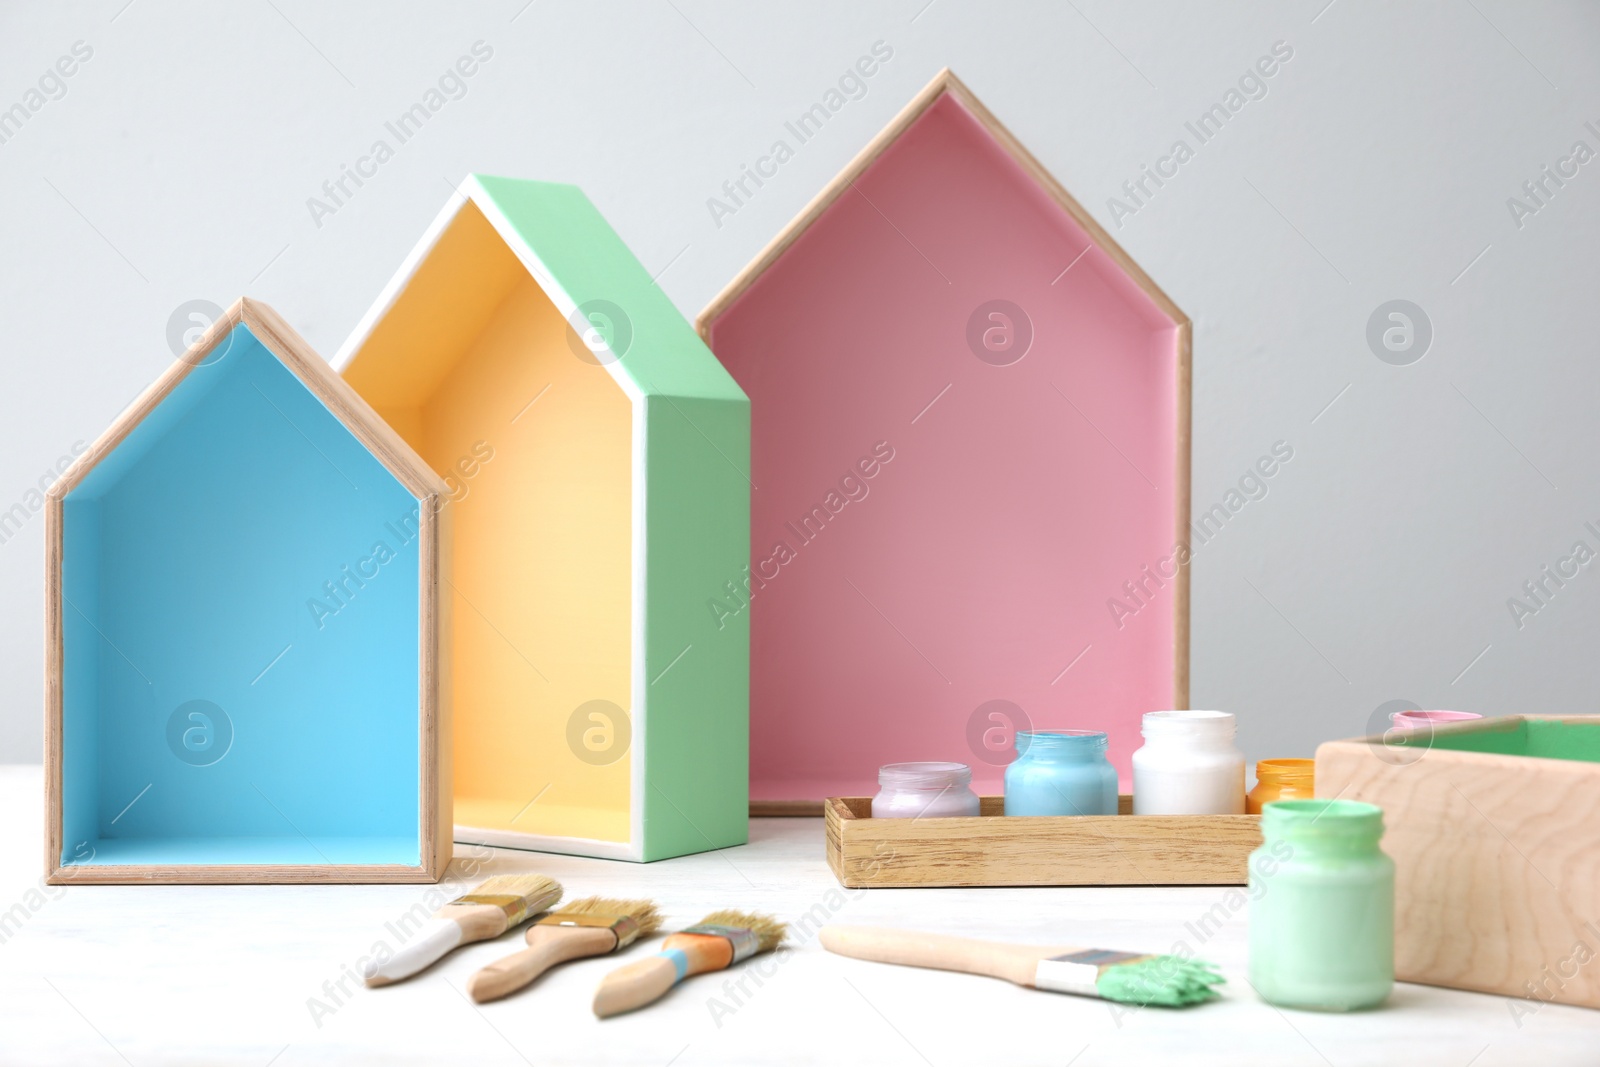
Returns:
(179,162)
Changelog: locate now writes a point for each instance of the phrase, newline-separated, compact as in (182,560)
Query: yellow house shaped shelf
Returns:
(597,457)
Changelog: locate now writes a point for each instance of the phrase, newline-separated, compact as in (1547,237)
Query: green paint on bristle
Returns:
(1165,981)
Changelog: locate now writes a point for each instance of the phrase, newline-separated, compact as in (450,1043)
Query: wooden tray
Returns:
(993,850)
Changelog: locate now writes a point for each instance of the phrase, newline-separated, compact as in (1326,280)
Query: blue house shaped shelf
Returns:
(243,632)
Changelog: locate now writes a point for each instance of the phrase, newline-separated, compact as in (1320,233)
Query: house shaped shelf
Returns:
(597,458)
(971,414)
(242,635)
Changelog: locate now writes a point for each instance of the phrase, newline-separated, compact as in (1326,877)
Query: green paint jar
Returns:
(1322,907)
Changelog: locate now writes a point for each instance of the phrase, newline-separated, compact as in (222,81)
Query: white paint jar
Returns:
(1188,765)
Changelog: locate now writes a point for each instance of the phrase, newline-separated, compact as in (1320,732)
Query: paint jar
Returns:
(1188,765)
(1281,779)
(1061,772)
(1427,720)
(924,791)
(1322,906)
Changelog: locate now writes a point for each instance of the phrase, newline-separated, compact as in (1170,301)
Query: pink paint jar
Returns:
(1427,720)
(924,791)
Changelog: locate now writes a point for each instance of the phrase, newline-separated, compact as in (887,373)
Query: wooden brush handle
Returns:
(637,984)
(478,922)
(1014,963)
(547,946)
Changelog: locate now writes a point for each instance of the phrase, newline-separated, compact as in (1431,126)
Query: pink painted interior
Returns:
(979,563)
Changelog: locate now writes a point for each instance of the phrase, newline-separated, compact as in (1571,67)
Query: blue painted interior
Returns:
(194,558)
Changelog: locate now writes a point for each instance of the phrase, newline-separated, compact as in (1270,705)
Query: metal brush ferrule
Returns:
(1078,972)
(625,927)
(745,941)
(515,907)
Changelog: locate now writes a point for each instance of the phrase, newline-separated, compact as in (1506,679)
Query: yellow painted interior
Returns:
(472,366)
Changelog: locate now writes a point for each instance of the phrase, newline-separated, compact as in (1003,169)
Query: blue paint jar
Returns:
(1061,772)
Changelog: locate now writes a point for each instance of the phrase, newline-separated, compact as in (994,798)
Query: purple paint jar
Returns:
(924,791)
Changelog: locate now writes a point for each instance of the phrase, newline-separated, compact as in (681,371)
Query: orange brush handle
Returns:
(701,952)
(637,984)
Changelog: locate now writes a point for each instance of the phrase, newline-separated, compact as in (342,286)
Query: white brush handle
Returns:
(435,938)
(996,959)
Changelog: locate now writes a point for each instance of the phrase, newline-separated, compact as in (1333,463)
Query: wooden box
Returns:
(244,641)
(994,850)
(1494,827)
(971,418)
(597,461)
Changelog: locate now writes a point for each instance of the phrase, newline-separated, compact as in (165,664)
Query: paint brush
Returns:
(488,911)
(1126,977)
(720,940)
(592,926)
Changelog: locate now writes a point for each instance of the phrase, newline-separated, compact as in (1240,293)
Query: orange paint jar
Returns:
(1280,779)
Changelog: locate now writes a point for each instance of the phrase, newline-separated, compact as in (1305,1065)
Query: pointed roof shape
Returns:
(269,329)
(243,641)
(945,86)
(579,263)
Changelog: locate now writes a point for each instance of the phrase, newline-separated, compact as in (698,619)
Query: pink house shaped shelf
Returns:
(971,444)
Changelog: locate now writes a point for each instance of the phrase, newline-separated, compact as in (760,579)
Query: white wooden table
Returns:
(253,975)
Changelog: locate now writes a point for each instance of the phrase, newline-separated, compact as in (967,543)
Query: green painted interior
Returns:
(1541,738)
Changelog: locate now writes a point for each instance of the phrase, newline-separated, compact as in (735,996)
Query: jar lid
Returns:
(1431,718)
(1285,768)
(1188,724)
(1322,818)
(925,775)
(1085,738)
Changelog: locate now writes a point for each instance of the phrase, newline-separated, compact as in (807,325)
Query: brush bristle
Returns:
(539,892)
(769,931)
(643,912)
(1166,981)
